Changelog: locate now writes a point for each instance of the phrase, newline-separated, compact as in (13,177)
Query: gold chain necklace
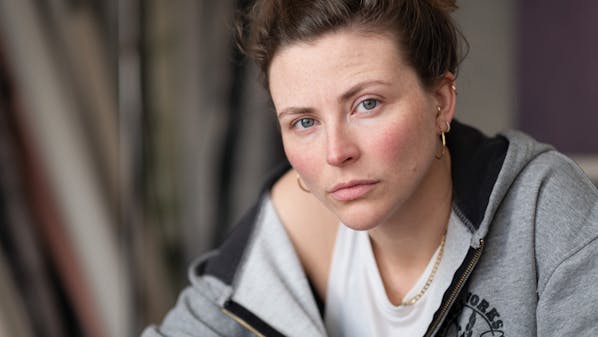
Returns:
(421,293)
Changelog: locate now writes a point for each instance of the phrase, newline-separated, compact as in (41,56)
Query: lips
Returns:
(352,190)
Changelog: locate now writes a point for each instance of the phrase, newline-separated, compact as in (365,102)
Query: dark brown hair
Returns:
(425,30)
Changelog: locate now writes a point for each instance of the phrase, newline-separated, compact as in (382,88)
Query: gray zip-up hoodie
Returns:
(531,269)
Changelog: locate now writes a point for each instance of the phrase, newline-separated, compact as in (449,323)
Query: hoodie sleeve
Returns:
(567,251)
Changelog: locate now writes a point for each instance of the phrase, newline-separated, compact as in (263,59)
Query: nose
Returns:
(341,148)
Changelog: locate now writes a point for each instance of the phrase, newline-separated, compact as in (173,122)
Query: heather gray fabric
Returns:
(537,274)
(281,282)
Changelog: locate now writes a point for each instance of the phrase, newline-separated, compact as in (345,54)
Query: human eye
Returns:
(367,105)
(304,123)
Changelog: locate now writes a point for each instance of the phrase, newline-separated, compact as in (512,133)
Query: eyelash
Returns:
(296,124)
(367,100)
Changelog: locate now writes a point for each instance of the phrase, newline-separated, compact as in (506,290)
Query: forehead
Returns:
(333,61)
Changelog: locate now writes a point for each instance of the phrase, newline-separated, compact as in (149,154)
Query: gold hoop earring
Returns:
(303,188)
(443,139)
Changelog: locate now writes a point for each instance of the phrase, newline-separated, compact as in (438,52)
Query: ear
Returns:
(445,94)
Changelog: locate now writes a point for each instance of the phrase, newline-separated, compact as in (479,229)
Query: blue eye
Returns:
(369,104)
(305,123)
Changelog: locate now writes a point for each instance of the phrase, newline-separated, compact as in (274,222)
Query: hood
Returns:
(483,169)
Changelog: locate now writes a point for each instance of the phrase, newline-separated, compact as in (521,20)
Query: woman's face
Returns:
(356,124)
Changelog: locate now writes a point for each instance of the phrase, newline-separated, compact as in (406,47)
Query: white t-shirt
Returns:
(356,302)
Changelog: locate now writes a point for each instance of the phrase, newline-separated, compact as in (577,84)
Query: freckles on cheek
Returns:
(391,145)
(302,161)
(398,149)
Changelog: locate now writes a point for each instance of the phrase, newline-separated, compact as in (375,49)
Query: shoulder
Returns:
(564,211)
(559,180)
(549,197)
(310,225)
(541,172)
(566,202)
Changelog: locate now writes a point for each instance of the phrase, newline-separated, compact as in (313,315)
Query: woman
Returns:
(395,219)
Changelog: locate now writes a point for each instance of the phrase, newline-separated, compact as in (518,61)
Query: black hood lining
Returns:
(476,161)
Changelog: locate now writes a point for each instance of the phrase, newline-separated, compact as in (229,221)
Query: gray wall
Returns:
(486,84)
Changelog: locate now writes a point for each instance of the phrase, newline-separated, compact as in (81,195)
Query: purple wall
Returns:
(558,73)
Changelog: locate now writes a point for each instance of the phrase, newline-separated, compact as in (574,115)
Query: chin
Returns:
(359,222)
(359,227)
(360,215)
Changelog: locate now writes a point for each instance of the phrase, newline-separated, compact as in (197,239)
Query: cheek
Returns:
(302,158)
(392,144)
(402,146)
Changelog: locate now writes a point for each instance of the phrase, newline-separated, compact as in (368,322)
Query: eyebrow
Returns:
(346,95)
(360,86)
(295,111)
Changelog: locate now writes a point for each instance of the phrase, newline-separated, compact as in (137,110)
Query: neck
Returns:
(404,244)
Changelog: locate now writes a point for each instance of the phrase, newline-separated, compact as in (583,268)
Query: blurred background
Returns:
(133,135)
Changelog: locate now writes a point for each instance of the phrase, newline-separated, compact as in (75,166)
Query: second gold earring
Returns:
(300,184)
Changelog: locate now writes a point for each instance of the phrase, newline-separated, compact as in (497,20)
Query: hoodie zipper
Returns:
(457,290)
(242,322)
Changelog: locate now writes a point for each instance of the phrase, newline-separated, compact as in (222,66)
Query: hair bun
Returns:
(444,5)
